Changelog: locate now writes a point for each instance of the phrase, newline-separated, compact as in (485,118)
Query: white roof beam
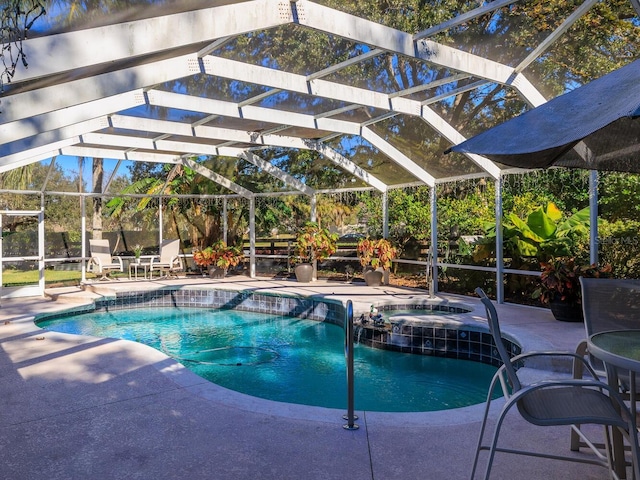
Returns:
(40,153)
(278,173)
(121,41)
(301,84)
(203,149)
(398,157)
(455,137)
(125,141)
(349,166)
(98,152)
(220,133)
(27,161)
(463,18)
(368,32)
(547,42)
(355,28)
(107,87)
(52,136)
(65,117)
(205,105)
(219,179)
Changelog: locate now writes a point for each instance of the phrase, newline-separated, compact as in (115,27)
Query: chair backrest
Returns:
(169,249)
(610,304)
(101,249)
(494,327)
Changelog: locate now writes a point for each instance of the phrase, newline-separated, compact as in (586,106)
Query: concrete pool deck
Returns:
(78,407)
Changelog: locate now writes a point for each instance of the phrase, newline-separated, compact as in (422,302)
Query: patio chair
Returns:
(607,304)
(553,402)
(169,262)
(101,261)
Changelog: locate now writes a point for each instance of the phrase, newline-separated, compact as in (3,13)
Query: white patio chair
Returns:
(102,262)
(169,262)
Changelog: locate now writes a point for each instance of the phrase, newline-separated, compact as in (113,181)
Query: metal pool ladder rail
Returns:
(348,353)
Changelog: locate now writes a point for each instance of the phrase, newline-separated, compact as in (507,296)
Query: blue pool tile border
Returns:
(437,338)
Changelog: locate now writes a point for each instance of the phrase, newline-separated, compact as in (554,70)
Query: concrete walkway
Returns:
(76,407)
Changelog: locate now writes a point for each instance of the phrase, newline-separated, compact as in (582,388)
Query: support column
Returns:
(593,216)
(385,214)
(252,237)
(160,220)
(41,283)
(314,207)
(225,221)
(499,250)
(83,237)
(433,264)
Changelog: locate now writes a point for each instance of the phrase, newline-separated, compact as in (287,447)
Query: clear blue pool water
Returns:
(289,359)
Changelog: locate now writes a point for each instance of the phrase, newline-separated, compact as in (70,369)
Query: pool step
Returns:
(71,295)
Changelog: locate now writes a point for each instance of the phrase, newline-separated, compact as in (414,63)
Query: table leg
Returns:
(619,464)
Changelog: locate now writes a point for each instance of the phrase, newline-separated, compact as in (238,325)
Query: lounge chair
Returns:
(554,402)
(169,262)
(101,261)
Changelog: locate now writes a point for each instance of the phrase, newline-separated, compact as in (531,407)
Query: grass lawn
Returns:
(57,278)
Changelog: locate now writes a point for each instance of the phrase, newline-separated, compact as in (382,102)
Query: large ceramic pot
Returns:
(373,278)
(566,312)
(304,272)
(216,272)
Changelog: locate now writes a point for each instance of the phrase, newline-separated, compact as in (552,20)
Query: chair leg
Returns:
(575,439)
(480,437)
(487,407)
(494,441)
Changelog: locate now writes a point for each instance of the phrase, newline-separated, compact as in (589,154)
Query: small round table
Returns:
(133,268)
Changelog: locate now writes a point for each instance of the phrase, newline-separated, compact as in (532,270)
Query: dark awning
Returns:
(603,114)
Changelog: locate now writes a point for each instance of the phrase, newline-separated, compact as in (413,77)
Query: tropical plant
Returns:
(314,243)
(543,235)
(377,253)
(560,279)
(220,255)
(229,256)
(204,257)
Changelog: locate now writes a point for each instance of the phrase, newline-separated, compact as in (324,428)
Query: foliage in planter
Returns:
(377,253)
(314,243)
(137,250)
(543,234)
(220,255)
(560,279)
(229,257)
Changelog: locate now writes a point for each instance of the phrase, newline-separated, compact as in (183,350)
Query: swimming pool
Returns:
(289,359)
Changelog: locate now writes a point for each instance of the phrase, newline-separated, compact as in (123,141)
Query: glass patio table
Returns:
(620,351)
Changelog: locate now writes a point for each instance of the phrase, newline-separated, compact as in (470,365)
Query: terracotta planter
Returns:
(373,277)
(566,312)
(304,272)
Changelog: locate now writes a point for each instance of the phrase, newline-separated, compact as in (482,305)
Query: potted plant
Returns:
(560,286)
(205,258)
(218,258)
(376,258)
(313,244)
(228,256)
(137,251)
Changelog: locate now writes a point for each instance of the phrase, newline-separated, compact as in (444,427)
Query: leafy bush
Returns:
(619,245)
